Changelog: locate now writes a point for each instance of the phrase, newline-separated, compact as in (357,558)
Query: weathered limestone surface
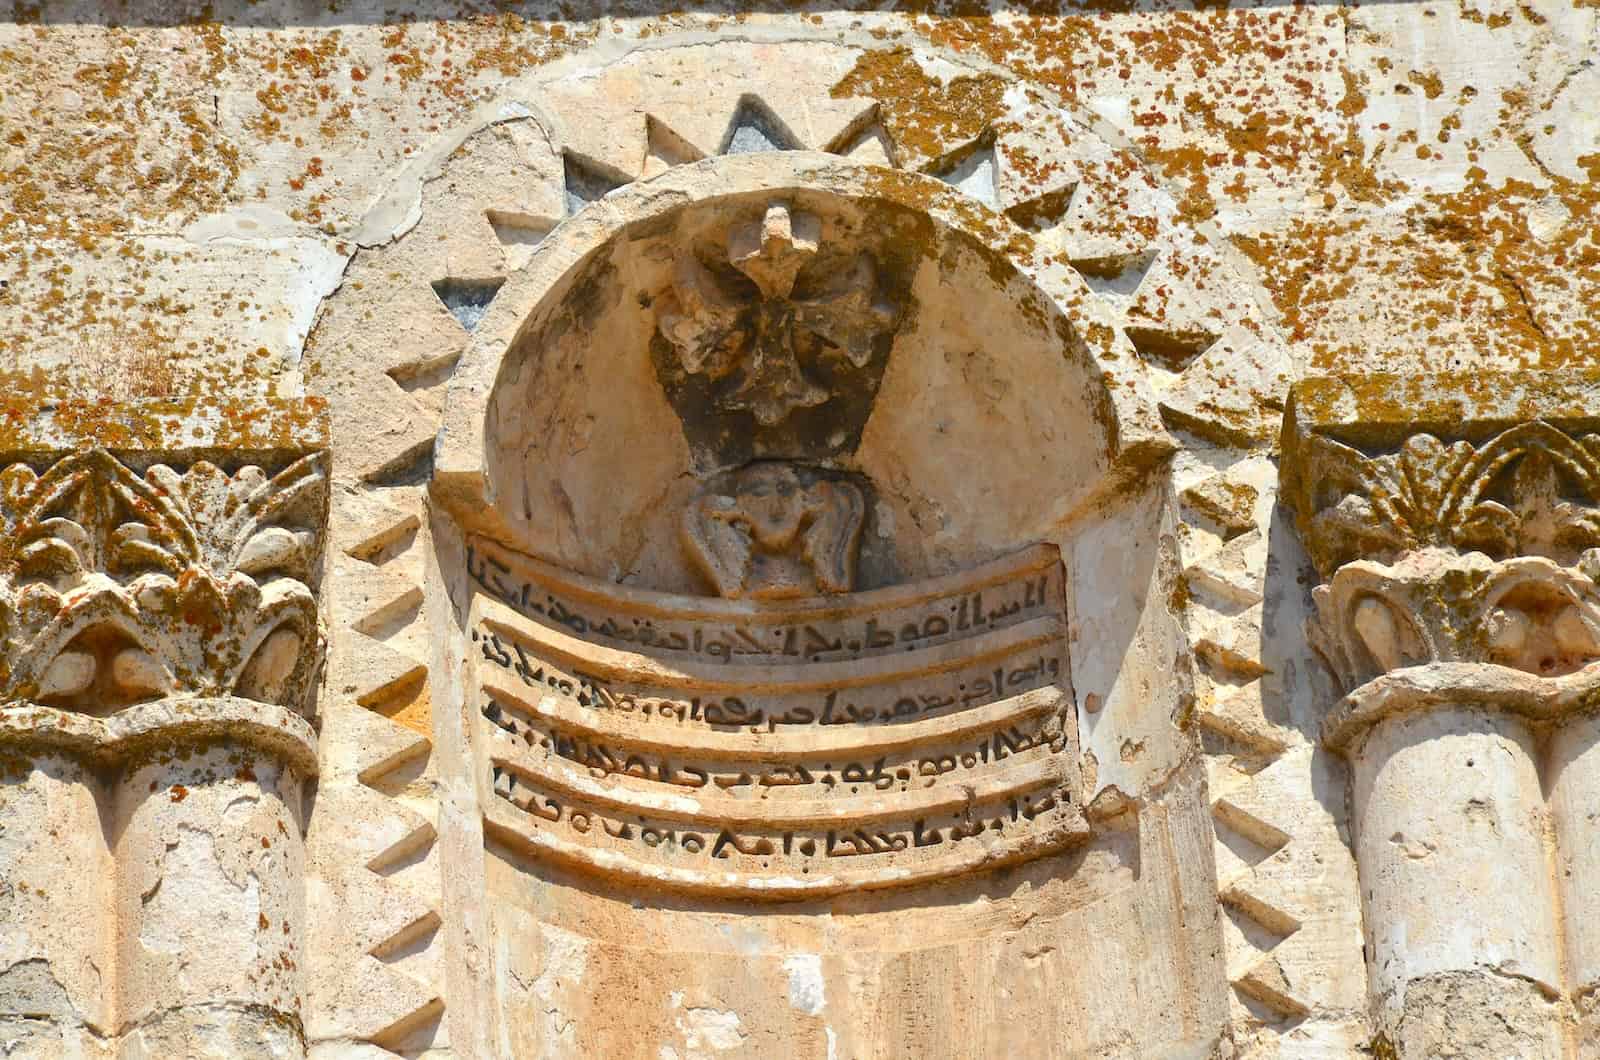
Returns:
(811,530)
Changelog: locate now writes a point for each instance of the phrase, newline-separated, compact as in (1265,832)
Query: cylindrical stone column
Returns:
(1574,772)
(57,974)
(1459,903)
(210,899)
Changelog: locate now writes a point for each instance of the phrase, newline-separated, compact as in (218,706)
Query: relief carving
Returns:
(1531,490)
(1460,616)
(118,587)
(793,745)
(776,531)
(759,331)
(1527,613)
(1456,552)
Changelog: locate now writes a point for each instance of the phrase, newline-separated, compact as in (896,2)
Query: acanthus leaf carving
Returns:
(117,587)
(1530,490)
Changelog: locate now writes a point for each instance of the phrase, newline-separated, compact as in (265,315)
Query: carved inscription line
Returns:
(840,742)
(680,625)
(511,638)
(487,559)
(715,858)
(904,735)
(940,693)
(552,775)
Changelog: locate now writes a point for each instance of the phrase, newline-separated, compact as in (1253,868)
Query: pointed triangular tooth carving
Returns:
(1266,982)
(1244,897)
(1235,714)
(1234,393)
(1233,643)
(368,828)
(871,147)
(818,123)
(371,1001)
(1229,506)
(1166,323)
(408,833)
(369,670)
(420,333)
(387,434)
(370,529)
(411,466)
(1106,231)
(1116,275)
(375,601)
(665,148)
(1168,346)
(518,234)
(378,916)
(971,170)
(1264,834)
(400,1034)
(1046,210)
(1234,852)
(588,181)
(753,127)
(468,300)
(368,745)
(1237,571)
(847,126)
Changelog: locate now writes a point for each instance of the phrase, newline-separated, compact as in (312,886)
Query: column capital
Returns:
(143,558)
(1455,523)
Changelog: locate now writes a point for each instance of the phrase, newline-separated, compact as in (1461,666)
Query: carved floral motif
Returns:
(777,532)
(1454,552)
(761,328)
(117,588)
(1531,490)
(1527,613)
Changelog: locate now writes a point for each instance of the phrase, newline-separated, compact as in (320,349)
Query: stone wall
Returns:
(799,530)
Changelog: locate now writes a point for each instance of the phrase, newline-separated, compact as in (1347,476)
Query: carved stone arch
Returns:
(783,483)
(996,356)
(1142,319)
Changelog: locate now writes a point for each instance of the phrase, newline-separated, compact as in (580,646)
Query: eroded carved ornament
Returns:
(119,587)
(776,531)
(1456,552)
(758,329)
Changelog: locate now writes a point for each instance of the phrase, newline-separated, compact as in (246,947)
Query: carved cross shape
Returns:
(763,342)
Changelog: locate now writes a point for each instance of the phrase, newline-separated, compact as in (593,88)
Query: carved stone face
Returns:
(773,504)
(776,531)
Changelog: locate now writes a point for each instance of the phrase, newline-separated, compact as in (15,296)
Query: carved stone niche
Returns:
(1456,524)
(771,478)
(159,641)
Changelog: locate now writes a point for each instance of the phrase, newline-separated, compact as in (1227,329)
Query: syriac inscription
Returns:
(778,746)
(1026,586)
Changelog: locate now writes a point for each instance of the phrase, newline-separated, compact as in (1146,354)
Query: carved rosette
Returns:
(117,587)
